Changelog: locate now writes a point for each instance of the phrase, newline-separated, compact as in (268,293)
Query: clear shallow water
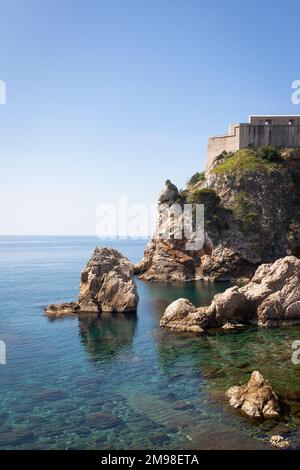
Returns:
(123,382)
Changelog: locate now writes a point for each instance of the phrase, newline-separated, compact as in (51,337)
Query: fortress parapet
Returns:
(280,131)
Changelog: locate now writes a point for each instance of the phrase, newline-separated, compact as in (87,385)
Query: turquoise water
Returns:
(123,382)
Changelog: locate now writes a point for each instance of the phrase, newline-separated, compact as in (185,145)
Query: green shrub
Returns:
(204,196)
(244,160)
(243,212)
(210,200)
(269,153)
(199,176)
(224,155)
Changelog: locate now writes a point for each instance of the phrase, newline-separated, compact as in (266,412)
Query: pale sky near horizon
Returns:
(110,98)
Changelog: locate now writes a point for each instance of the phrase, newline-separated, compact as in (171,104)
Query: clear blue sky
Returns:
(113,97)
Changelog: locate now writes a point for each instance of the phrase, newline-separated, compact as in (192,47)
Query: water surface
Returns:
(123,382)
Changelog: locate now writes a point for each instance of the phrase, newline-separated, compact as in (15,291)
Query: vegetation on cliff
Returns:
(252,216)
(265,159)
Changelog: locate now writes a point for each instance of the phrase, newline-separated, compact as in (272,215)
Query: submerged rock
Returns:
(256,398)
(64,309)
(107,285)
(271,298)
(279,442)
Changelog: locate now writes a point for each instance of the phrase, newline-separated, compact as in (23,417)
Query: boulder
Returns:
(168,194)
(279,442)
(181,315)
(274,292)
(107,285)
(256,398)
(231,306)
(64,309)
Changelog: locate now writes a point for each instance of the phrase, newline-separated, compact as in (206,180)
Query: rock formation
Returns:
(252,216)
(279,442)
(181,315)
(256,398)
(271,298)
(107,285)
(64,309)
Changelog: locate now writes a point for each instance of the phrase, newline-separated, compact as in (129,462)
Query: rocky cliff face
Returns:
(252,216)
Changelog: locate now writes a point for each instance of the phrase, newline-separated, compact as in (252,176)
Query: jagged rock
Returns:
(169,194)
(256,398)
(274,291)
(181,315)
(64,309)
(107,285)
(271,298)
(164,262)
(231,305)
(279,442)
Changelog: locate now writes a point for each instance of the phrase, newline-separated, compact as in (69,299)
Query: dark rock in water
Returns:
(103,420)
(171,429)
(14,437)
(181,405)
(50,395)
(107,285)
(159,438)
(3,416)
(64,309)
(256,398)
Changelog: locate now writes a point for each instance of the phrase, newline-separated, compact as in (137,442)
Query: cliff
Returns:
(252,216)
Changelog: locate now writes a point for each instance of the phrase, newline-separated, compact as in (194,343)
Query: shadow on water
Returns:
(106,336)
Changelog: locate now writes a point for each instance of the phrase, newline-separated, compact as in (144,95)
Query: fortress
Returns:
(280,131)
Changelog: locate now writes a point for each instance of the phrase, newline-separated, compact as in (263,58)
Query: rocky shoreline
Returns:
(271,298)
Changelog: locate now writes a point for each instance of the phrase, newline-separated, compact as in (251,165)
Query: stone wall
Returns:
(217,145)
(280,131)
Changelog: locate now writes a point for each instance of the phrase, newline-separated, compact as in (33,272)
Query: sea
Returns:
(122,381)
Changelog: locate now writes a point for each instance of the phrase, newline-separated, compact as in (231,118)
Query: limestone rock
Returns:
(181,315)
(64,309)
(169,194)
(164,261)
(233,326)
(274,291)
(271,298)
(232,305)
(279,442)
(256,398)
(107,285)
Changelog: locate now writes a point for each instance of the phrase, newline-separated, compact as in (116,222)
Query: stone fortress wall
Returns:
(280,131)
